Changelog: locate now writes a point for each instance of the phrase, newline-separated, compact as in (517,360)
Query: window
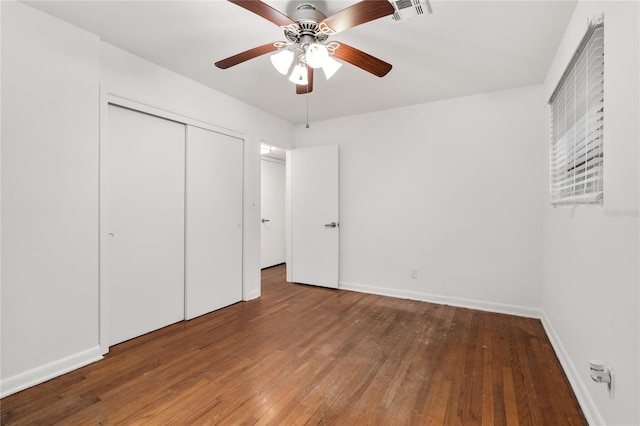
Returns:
(577,124)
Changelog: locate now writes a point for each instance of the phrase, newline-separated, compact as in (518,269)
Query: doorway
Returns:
(303,182)
(273,246)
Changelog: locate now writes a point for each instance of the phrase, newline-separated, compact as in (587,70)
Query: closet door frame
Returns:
(108,97)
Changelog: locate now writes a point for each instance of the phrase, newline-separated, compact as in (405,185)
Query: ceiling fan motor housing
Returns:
(307,17)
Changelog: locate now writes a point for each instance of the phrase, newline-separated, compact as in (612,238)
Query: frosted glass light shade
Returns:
(282,61)
(299,75)
(316,55)
(330,67)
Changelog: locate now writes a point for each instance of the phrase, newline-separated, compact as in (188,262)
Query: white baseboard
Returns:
(501,308)
(589,408)
(251,295)
(46,372)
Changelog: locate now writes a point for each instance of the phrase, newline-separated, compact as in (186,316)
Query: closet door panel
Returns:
(213,221)
(146,175)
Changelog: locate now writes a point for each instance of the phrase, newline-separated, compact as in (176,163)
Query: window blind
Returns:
(577,125)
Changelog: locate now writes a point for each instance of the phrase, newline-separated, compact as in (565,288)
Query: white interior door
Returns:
(314,216)
(146,223)
(213,222)
(272,201)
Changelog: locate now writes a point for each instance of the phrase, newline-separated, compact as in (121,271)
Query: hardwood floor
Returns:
(308,355)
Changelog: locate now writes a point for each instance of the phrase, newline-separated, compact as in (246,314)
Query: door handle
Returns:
(331,225)
(265,220)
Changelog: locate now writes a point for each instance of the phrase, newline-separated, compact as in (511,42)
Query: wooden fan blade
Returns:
(359,13)
(308,88)
(362,60)
(264,10)
(245,56)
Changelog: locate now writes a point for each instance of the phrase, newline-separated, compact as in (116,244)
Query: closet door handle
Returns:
(265,220)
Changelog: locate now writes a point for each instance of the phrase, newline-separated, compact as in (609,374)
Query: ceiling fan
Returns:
(307,46)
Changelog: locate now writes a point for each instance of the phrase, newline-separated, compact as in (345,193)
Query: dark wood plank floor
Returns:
(307,355)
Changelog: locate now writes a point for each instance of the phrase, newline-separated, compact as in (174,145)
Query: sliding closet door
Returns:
(214,221)
(146,223)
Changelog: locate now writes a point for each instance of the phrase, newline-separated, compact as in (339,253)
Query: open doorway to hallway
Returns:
(273,247)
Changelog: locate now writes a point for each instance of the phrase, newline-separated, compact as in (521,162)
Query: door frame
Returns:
(287,212)
(107,96)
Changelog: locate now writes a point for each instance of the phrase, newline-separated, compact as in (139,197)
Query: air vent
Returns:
(406,9)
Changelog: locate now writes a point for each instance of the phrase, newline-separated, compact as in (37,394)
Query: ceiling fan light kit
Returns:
(307,31)
(299,75)
(330,67)
(316,54)
(282,61)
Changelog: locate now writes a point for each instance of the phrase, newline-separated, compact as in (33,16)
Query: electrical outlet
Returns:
(414,272)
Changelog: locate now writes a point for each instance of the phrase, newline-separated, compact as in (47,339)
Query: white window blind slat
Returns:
(577,131)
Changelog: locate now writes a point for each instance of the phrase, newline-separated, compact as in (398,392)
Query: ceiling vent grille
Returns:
(406,9)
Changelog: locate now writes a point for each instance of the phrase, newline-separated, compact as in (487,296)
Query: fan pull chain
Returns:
(307,126)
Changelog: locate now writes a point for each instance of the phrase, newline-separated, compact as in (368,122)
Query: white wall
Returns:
(453,188)
(50,157)
(590,265)
(49,196)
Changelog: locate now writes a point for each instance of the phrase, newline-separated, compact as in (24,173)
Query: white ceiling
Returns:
(463,48)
